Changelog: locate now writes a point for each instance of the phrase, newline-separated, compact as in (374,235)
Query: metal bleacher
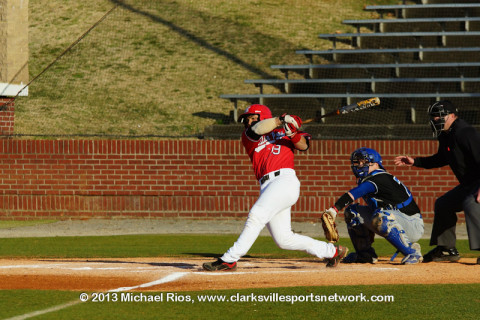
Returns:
(429,10)
(373,85)
(411,56)
(434,54)
(418,24)
(416,38)
(381,69)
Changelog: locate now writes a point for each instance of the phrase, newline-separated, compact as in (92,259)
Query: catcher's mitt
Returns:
(329,227)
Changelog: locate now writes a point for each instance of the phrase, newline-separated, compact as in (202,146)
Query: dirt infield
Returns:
(185,274)
(177,274)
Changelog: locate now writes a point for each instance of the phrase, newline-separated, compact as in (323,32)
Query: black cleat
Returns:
(220,265)
(364,256)
(441,253)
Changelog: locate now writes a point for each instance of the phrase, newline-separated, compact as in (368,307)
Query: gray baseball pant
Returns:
(460,198)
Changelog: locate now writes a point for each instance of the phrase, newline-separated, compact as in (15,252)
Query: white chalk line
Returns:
(30,266)
(45,311)
(57,266)
(168,278)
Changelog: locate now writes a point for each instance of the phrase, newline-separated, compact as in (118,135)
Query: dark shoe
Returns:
(365,256)
(339,255)
(441,253)
(478,261)
(220,265)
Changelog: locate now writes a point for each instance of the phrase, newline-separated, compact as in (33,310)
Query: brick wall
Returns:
(7,115)
(188,178)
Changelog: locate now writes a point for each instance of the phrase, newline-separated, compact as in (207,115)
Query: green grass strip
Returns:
(19,302)
(399,301)
(166,245)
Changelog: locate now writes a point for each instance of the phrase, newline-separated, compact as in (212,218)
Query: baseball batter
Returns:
(271,151)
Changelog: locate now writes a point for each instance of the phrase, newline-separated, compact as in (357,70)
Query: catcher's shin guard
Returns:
(391,230)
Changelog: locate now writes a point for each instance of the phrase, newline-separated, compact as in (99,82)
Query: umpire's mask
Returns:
(437,113)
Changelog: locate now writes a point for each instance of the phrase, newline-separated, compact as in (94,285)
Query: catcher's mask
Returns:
(437,113)
(361,159)
(262,111)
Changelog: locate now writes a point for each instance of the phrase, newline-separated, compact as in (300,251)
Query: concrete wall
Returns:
(14,41)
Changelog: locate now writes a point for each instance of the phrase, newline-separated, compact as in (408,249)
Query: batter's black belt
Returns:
(266,177)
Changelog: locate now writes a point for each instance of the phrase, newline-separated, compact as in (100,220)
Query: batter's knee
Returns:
(283,245)
(285,241)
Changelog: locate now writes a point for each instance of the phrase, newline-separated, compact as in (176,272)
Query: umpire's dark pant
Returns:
(458,199)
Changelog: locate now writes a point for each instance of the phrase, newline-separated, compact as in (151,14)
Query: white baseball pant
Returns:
(273,209)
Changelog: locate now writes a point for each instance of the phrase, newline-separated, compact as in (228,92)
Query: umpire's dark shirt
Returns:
(460,149)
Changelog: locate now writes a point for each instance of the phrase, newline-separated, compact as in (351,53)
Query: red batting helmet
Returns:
(262,111)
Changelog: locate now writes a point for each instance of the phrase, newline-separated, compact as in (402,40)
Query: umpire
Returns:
(459,147)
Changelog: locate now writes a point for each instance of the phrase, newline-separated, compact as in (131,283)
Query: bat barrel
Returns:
(365,104)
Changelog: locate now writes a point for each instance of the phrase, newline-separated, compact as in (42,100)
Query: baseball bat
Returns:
(357,106)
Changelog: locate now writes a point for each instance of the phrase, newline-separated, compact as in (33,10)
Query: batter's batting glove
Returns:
(291,124)
(295,121)
(290,130)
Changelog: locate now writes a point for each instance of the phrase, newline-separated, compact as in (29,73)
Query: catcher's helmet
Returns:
(439,110)
(368,156)
(262,111)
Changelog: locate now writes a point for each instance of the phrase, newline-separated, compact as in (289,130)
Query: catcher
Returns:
(391,212)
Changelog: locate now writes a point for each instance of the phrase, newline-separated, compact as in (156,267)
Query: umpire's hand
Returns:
(404,161)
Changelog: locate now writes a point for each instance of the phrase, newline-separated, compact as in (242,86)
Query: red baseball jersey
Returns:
(270,152)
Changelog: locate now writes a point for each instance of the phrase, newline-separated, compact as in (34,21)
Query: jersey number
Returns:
(276,149)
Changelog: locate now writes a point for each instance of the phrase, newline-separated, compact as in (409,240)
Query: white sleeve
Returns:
(265,126)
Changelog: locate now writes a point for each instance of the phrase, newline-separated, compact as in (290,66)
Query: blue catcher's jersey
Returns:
(381,189)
